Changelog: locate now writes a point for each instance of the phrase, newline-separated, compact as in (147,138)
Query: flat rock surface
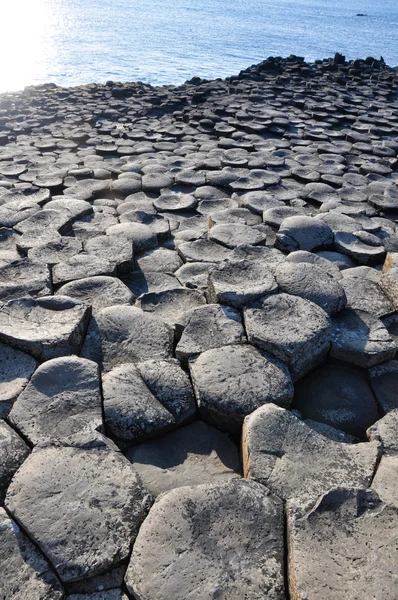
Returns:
(46,327)
(185,534)
(294,330)
(84,507)
(25,573)
(383,380)
(62,399)
(218,373)
(332,549)
(13,452)
(339,396)
(16,368)
(192,455)
(294,460)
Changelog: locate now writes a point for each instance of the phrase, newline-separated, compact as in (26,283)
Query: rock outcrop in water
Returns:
(198,327)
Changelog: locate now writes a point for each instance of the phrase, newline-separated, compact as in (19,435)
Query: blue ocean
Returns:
(71,42)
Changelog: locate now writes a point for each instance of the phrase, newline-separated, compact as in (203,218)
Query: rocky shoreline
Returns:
(198,337)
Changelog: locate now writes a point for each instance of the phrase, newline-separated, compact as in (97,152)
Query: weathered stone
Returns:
(364,247)
(293,460)
(112,594)
(45,328)
(361,339)
(385,482)
(191,455)
(131,411)
(140,283)
(55,252)
(219,372)
(383,379)
(302,256)
(13,451)
(84,507)
(128,334)
(25,573)
(118,251)
(24,277)
(303,233)
(185,534)
(210,326)
(16,368)
(294,330)
(173,307)
(385,431)
(141,236)
(202,251)
(339,396)
(81,266)
(62,399)
(98,292)
(239,282)
(194,275)
(332,549)
(311,282)
(366,295)
(236,234)
(160,260)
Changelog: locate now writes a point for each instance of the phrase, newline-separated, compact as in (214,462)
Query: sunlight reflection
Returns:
(26,42)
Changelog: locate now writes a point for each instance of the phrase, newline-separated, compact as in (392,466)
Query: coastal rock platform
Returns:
(198,337)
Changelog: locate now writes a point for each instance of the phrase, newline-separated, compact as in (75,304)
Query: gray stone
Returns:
(335,547)
(110,580)
(385,482)
(52,253)
(294,330)
(24,277)
(217,374)
(191,455)
(239,282)
(174,201)
(98,292)
(81,266)
(242,216)
(364,247)
(24,571)
(366,295)
(173,307)
(385,431)
(340,260)
(113,594)
(62,399)
(384,379)
(389,285)
(313,283)
(118,251)
(185,534)
(84,507)
(202,251)
(293,460)
(210,326)
(235,234)
(128,334)
(339,396)
(194,275)
(141,236)
(131,411)
(361,339)
(45,328)
(140,283)
(13,451)
(160,260)
(16,368)
(303,233)
(302,256)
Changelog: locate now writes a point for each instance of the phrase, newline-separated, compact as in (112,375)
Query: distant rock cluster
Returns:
(198,337)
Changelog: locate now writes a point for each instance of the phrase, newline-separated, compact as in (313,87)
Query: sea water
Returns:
(70,42)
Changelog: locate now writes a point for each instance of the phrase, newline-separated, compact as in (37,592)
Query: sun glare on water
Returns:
(26,42)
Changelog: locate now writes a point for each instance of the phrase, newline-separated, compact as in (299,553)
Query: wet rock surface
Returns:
(219,251)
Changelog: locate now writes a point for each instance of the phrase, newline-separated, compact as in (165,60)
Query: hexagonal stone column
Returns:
(215,540)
